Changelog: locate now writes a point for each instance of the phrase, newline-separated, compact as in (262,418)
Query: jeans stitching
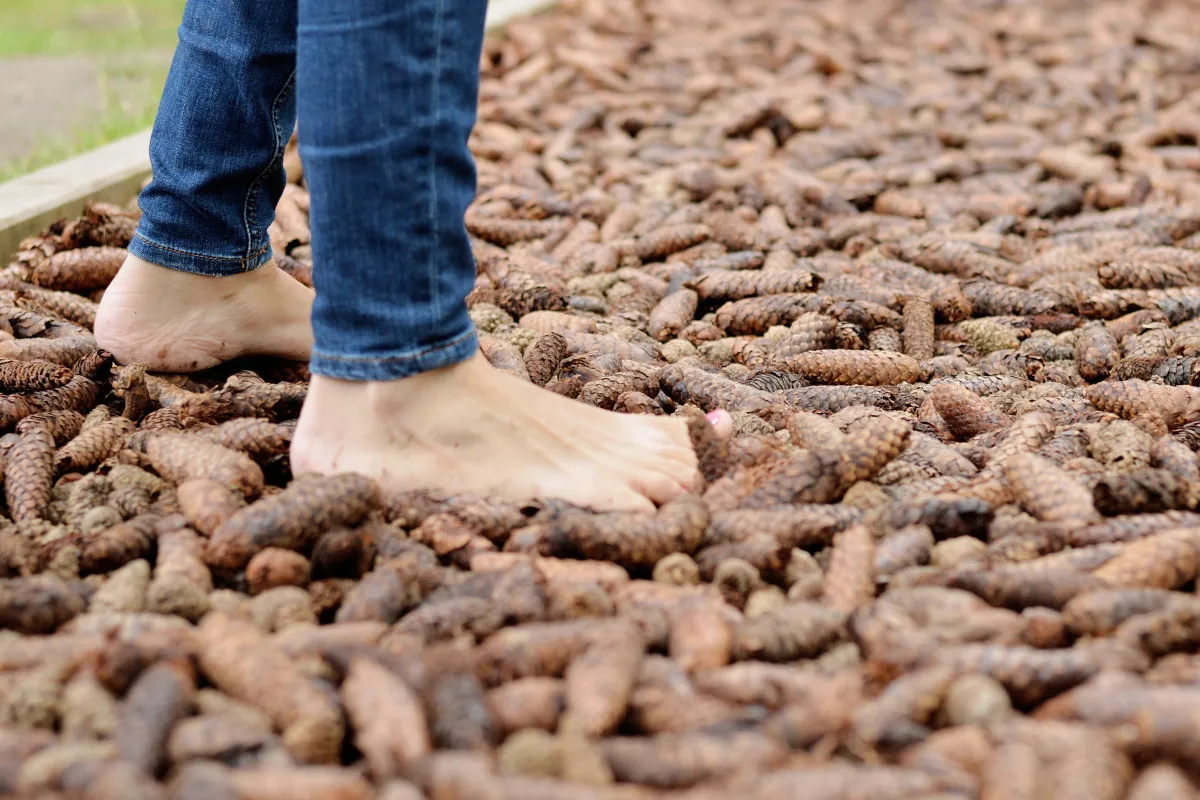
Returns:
(251,205)
(343,27)
(241,259)
(427,351)
(430,269)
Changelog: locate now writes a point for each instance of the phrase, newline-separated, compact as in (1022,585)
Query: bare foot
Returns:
(474,429)
(179,322)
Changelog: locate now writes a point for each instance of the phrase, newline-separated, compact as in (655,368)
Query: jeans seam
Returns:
(251,205)
(425,351)
(242,259)
(342,27)
(430,270)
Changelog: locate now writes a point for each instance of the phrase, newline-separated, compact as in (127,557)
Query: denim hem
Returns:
(196,263)
(390,368)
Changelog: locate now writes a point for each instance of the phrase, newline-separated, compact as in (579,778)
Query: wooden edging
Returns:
(116,171)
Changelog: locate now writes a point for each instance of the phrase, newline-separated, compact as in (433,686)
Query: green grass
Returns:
(71,27)
(117,35)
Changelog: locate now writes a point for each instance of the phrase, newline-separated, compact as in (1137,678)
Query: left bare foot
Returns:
(176,321)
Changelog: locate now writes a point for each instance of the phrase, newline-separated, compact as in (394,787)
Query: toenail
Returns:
(714,417)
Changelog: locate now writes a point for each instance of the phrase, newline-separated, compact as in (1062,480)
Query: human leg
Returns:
(387,95)
(199,286)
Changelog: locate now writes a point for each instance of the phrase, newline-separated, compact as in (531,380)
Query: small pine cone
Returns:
(1144,491)
(664,241)
(245,394)
(639,403)
(739,284)
(110,548)
(855,367)
(543,356)
(39,604)
(79,270)
(604,391)
(810,331)
(1174,456)
(632,539)
(506,232)
(96,366)
(67,305)
(850,578)
(503,356)
(63,425)
(908,701)
(1099,613)
(65,351)
(966,414)
(831,399)
(950,304)
(712,452)
(29,473)
(1165,560)
(89,492)
(1019,587)
(698,332)
(885,340)
(991,299)
(907,547)
(686,384)
(293,518)
(1048,492)
(987,335)
(274,567)
(808,477)
(1096,352)
(1122,274)
(756,315)
(672,314)
(868,448)
(300,270)
(795,630)
(1133,399)
(257,438)
(521,293)
(31,376)
(180,457)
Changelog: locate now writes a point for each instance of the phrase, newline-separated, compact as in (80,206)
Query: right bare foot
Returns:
(180,322)
(470,428)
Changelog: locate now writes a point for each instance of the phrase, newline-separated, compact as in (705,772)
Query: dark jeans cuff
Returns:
(195,263)
(402,365)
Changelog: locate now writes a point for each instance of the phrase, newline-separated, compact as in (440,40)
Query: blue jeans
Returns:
(386,94)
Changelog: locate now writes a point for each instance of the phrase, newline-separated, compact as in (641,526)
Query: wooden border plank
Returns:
(113,172)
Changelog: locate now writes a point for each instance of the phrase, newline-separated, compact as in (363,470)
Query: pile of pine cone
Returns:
(941,262)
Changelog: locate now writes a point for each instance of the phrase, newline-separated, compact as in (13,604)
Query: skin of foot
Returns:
(180,322)
(475,429)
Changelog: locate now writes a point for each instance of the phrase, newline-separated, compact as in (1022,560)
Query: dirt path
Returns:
(45,96)
(60,97)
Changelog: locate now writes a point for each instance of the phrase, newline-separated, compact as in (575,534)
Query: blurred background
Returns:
(76,74)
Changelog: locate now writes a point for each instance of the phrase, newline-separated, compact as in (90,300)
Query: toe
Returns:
(680,455)
(722,422)
(681,466)
(675,429)
(625,499)
(658,486)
